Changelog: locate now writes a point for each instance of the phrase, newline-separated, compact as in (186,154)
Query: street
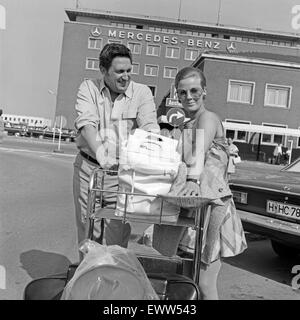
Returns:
(38,234)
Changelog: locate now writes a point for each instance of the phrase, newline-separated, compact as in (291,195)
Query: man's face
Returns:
(118,76)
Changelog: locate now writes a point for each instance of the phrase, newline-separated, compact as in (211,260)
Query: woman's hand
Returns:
(190,189)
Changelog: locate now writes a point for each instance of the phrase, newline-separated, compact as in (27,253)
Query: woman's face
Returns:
(190,94)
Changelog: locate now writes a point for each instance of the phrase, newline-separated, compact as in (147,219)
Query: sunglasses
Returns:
(194,92)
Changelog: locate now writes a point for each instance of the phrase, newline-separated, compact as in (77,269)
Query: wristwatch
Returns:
(194,180)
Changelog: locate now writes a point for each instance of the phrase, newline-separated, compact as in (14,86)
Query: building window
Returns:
(240,91)
(135,68)
(153,90)
(153,50)
(172,52)
(273,138)
(151,70)
(95,43)
(237,135)
(287,44)
(134,47)
(170,72)
(92,64)
(277,96)
(114,41)
(191,54)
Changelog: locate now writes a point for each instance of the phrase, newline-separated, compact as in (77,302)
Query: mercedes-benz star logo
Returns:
(232,47)
(96,31)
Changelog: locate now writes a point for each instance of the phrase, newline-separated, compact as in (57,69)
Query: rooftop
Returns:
(180,23)
(254,57)
(268,56)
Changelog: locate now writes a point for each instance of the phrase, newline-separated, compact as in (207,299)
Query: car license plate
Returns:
(283,209)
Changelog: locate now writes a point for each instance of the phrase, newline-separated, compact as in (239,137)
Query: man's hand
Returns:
(106,157)
(190,189)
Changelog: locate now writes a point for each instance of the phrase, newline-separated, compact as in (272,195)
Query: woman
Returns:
(223,235)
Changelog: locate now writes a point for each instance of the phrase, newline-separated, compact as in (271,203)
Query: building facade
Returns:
(26,120)
(160,47)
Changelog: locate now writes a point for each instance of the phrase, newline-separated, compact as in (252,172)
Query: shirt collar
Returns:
(128,93)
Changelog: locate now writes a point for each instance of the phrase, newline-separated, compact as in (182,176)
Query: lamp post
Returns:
(61,121)
(219,12)
(54,118)
(179,10)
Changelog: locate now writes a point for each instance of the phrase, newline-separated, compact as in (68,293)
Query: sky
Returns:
(30,46)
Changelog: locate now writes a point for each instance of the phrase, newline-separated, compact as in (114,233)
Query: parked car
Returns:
(269,205)
(15,129)
(66,134)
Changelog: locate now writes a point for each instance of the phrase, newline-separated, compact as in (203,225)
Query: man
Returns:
(277,153)
(103,107)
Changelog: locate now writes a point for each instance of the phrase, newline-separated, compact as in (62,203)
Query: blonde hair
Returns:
(188,72)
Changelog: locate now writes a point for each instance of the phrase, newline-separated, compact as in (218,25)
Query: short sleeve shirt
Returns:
(135,108)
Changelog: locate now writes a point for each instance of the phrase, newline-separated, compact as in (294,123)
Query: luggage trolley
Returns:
(182,269)
(173,278)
